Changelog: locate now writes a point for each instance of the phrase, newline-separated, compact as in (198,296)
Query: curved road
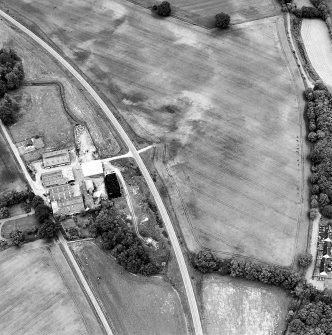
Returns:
(162,209)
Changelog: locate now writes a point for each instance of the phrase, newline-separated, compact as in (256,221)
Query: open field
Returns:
(318,45)
(223,104)
(242,307)
(41,67)
(135,304)
(40,295)
(26,223)
(11,176)
(42,113)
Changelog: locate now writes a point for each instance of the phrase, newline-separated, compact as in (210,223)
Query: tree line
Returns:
(11,77)
(319,118)
(125,246)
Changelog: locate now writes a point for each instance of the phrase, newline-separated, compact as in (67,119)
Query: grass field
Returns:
(242,307)
(40,295)
(223,104)
(42,113)
(23,224)
(38,65)
(11,176)
(135,304)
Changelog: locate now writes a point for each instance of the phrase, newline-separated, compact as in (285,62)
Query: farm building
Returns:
(56,158)
(68,206)
(66,199)
(112,186)
(58,177)
(92,168)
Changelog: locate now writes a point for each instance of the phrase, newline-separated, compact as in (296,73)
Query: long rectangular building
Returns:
(56,158)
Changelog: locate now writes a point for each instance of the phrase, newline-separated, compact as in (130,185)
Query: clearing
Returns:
(135,304)
(42,113)
(242,307)
(27,223)
(10,174)
(40,295)
(224,104)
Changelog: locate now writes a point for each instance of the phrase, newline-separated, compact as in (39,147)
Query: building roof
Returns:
(92,168)
(53,178)
(61,192)
(68,206)
(55,158)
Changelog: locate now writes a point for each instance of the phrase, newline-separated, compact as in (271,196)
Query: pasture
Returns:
(24,224)
(42,113)
(40,66)
(224,105)
(40,295)
(134,304)
(11,176)
(242,307)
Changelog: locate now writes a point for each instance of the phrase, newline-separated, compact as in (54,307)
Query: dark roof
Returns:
(55,158)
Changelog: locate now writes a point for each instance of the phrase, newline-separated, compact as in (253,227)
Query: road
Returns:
(161,207)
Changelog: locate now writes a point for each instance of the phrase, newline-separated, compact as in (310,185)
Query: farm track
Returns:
(161,207)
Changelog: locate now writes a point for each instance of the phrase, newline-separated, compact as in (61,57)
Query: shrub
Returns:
(310,13)
(17,237)
(304,260)
(205,261)
(163,9)
(4,213)
(222,20)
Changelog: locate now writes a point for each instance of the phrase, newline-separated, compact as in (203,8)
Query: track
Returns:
(161,207)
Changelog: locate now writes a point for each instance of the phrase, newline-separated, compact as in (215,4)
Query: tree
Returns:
(42,212)
(312,136)
(163,9)
(37,200)
(304,260)
(323,199)
(8,110)
(4,213)
(222,20)
(327,211)
(205,261)
(17,237)
(48,229)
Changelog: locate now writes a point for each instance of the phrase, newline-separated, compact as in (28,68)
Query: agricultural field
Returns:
(27,223)
(242,307)
(134,304)
(42,114)
(318,45)
(39,66)
(11,175)
(224,107)
(40,295)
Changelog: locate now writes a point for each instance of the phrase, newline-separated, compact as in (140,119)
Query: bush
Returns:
(304,260)
(205,262)
(163,9)
(4,213)
(17,237)
(37,200)
(222,20)
(310,13)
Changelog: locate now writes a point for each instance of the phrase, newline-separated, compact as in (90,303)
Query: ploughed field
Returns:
(222,104)
(40,295)
(133,304)
(238,306)
(11,177)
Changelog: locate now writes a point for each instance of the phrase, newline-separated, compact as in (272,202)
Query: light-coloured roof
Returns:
(92,168)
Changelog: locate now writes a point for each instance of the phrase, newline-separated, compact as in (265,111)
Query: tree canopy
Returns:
(222,20)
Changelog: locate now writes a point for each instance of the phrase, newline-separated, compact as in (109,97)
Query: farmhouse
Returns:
(112,186)
(56,158)
(93,168)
